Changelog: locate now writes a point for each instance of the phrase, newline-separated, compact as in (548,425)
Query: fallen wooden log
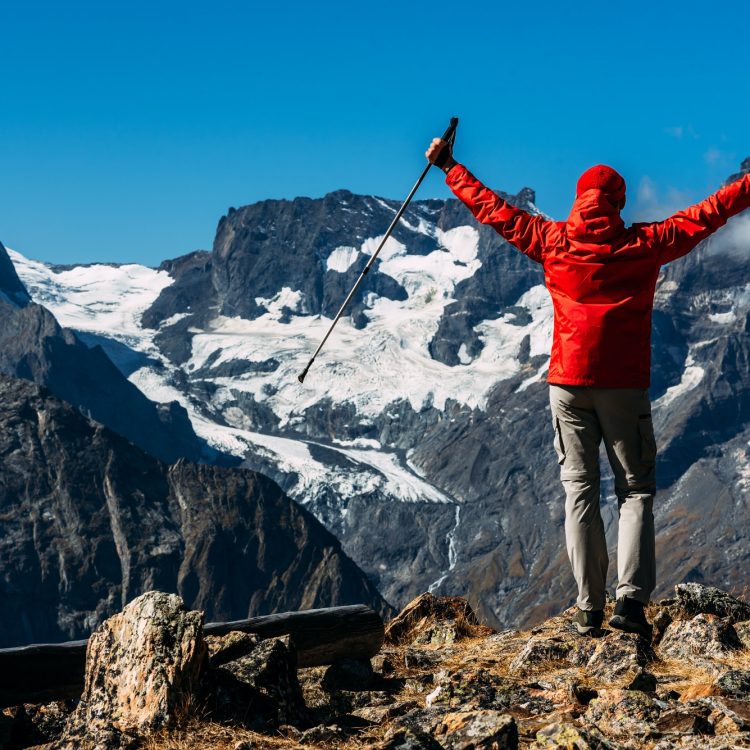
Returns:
(51,671)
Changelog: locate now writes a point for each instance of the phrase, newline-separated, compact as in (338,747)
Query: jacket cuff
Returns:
(453,173)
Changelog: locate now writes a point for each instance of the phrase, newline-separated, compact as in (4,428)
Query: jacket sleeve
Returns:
(680,233)
(529,233)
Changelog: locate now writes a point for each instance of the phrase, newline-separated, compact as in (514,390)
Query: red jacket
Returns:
(601,275)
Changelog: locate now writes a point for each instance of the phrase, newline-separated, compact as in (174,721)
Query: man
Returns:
(601,276)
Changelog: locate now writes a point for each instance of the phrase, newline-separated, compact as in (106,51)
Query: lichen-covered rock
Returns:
(618,656)
(268,676)
(698,639)
(142,668)
(477,730)
(743,632)
(541,652)
(695,599)
(735,683)
(409,739)
(624,713)
(568,737)
(233,645)
(432,619)
(481,689)
(349,674)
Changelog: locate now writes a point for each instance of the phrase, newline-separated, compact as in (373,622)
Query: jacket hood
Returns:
(594,218)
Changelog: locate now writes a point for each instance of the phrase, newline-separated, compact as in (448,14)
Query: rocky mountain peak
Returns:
(11,287)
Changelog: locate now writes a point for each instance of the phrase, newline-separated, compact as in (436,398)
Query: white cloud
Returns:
(734,238)
(653,203)
(676,131)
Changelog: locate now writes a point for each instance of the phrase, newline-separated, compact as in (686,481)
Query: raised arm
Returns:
(525,231)
(680,233)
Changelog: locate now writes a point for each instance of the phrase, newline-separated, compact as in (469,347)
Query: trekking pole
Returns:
(449,136)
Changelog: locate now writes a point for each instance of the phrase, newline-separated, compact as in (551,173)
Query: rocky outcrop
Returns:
(468,694)
(143,668)
(11,287)
(89,521)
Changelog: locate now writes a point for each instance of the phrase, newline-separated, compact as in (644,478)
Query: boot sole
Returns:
(628,626)
(591,630)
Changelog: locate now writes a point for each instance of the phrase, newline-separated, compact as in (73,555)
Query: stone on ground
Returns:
(142,668)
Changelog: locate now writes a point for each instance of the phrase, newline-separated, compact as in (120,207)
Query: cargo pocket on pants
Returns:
(559,445)
(648,441)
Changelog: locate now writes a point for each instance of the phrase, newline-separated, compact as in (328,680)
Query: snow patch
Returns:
(691,378)
(101,299)
(286,300)
(342,258)
(723,318)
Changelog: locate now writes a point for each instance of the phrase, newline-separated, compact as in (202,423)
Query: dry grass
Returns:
(477,649)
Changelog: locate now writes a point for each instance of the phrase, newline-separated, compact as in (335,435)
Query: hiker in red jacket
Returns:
(601,276)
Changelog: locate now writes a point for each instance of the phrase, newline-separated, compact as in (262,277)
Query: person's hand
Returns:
(440,154)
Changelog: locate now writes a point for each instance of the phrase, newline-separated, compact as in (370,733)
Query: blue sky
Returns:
(127,130)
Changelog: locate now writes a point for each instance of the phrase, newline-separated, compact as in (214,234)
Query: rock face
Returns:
(88,521)
(11,287)
(427,417)
(143,668)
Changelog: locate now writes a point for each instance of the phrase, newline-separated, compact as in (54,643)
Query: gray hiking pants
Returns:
(582,416)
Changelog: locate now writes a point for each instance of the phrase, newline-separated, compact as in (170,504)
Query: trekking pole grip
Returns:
(451,130)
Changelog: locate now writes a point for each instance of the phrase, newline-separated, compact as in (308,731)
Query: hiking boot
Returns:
(589,622)
(629,616)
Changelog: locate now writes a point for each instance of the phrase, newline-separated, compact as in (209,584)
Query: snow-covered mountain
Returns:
(421,436)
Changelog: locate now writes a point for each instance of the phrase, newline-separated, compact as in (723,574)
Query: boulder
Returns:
(481,689)
(349,674)
(409,739)
(618,656)
(260,687)
(735,683)
(566,737)
(143,667)
(477,730)
(728,715)
(743,632)
(541,653)
(699,639)
(432,619)
(624,714)
(695,599)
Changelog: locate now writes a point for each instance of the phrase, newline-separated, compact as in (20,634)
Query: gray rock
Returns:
(477,730)
(619,655)
(735,683)
(143,669)
(270,670)
(541,653)
(409,739)
(481,689)
(624,714)
(698,640)
(743,632)
(566,736)
(349,674)
(695,598)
